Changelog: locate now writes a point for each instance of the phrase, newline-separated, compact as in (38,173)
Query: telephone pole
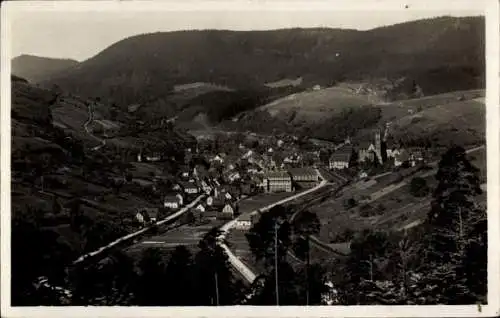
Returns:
(276,261)
(307,270)
(216,289)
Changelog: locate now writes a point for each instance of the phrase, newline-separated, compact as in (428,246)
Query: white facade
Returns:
(335,164)
(181,199)
(172,205)
(139,217)
(243,224)
(200,208)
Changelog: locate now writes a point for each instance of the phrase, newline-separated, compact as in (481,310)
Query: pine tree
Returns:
(453,222)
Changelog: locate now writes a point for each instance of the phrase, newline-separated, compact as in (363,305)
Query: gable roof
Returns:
(302,172)
(344,157)
(273,175)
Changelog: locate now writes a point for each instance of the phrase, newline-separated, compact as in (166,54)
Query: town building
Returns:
(339,161)
(304,175)
(279,181)
(371,151)
(402,158)
(190,188)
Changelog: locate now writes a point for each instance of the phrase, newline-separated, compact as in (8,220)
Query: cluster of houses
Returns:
(290,180)
(379,150)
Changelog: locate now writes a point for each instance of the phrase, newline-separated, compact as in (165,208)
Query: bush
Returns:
(350,203)
(419,187)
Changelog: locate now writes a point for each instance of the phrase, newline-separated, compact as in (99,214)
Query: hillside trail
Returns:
(91,113)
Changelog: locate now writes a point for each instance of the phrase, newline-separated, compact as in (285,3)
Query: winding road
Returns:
(91,110)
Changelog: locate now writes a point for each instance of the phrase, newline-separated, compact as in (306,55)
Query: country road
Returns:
(139,232)
(90,110)
(245,272)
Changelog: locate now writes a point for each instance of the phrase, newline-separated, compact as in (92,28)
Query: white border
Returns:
(493,153)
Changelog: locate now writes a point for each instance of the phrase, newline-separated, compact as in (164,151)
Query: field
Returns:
(316,105)
(261,200)
(166,241)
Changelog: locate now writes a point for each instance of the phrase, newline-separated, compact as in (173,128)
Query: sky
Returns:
(69,30)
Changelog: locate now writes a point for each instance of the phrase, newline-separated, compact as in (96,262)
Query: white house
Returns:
(171,201)
(180,198)
(228,211)
(200,207)
(244,222)
(139,217)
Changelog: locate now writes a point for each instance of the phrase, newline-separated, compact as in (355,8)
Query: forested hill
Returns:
(35,68)
(145,67)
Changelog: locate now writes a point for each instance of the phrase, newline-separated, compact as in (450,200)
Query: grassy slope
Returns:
(399,207)
(315,105)
(459,122)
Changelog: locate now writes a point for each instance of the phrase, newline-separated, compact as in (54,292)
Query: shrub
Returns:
(419,187)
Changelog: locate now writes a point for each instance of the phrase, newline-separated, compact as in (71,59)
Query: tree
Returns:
(419,187)
(179,278)
(457,228)
(261,237)
(216,284)
(151,287)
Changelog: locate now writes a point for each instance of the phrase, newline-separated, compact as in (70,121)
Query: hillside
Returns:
(146,68)
(56,171)
(35,68)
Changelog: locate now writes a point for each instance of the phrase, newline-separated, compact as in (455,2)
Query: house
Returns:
(227,212)
(149,214)
(304,175)
(215,203)
(401,158)
(140,217)
(363,175)
(211,215)
(200,207)
(279,181)
(369,150)
(244,222)
(172,202)
(218,158)
(341,158)
(181,199)
(190,188)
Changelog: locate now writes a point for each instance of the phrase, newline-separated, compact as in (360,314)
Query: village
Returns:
(227,174)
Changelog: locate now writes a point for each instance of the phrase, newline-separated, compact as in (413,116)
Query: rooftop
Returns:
(302,171)
(278,175)
(340,157)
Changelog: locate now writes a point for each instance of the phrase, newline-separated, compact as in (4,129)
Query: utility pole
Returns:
(371,267)
(216,289)
(307,270)
(276,261)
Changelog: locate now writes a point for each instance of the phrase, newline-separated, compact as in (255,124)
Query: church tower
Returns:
(378,146)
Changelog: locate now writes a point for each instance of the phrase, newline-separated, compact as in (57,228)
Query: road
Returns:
(137,233)
(245,272)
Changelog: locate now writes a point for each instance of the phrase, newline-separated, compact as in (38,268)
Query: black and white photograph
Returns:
(249,155)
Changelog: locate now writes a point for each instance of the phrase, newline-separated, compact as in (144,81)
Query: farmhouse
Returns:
(200,207)
(279,181)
